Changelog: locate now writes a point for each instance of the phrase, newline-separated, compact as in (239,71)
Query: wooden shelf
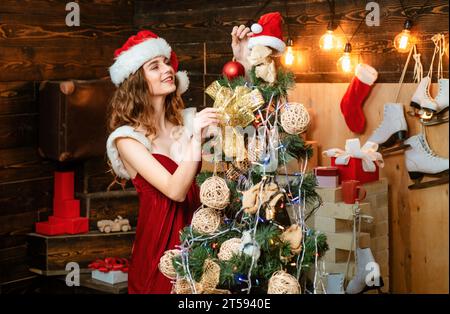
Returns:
(49,255)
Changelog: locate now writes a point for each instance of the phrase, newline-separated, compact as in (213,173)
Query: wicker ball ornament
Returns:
(215,193)
(283,283)
(206,220)
(228,248)
(182,286)
(165,263)
(294,118)
(211,274)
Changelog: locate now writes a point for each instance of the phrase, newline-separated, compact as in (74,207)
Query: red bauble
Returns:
(232,70)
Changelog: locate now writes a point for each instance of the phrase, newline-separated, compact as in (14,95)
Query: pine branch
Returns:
(285,81)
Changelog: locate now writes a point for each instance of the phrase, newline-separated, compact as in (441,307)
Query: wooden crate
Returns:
(334,219)
(48,255)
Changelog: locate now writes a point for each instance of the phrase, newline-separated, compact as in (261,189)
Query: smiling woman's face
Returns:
(160,76)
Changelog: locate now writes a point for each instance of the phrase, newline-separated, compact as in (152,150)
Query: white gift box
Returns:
(327,177)
(327,182)
(111,277)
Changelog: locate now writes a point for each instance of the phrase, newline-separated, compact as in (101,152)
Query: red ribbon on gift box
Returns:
(110,264)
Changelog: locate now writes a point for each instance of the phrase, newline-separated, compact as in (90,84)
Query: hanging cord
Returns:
(355,240)
(356,234)
(436,40)
(357,29)
(287,16)
(417,13)
(332,5)
(402,77)
(439,49)
(256,15)
(418,67)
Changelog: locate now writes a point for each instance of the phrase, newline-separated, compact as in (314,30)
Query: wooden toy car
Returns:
(119,224)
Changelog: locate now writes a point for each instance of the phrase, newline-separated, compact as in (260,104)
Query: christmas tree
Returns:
(250,234)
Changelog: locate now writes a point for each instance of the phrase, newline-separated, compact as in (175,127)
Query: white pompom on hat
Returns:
(137,50)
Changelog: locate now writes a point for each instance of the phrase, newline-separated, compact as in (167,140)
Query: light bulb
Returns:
(404,41)
(329,41)
(289,56)
(345,63)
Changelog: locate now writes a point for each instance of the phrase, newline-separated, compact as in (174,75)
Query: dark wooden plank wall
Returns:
(187,25)
(36,45)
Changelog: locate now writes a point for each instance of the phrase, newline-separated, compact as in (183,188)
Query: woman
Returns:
(148,147)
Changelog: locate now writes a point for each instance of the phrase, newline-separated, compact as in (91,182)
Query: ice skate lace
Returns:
(380,126)
(427,148)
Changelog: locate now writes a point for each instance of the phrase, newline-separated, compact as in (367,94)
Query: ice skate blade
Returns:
(394,150)
(369,288)
(418,176)
(436,119)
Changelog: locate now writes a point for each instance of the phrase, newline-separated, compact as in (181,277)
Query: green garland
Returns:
(285,81)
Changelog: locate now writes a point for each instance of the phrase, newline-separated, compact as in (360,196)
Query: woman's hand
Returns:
(205,118)
(239,42)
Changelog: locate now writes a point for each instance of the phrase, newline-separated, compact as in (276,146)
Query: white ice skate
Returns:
(392,131)
(441,100)
(421,161)
(422,103)
(367,276)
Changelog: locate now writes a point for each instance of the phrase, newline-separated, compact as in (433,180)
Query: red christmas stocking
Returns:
(357,92)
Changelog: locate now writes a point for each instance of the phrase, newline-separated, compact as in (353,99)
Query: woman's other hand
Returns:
(239,44)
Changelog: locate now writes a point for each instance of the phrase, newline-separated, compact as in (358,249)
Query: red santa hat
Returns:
(139,49)
(268,32)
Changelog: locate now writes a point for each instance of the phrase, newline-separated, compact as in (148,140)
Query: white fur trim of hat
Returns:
(269,41)
(366,74)
(129,61)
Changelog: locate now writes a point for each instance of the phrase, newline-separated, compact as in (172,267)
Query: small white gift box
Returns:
(111,277)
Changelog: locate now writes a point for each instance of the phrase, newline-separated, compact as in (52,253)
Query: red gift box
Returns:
(64,185)
(48,228)
(354,171)
(326,171)
(72,225)
(66,208)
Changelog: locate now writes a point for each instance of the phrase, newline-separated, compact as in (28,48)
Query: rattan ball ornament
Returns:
(211,274)
(283,283)
(294,118)
(182,286)
(166,265)
(228,248)
(206,220)
(215,193)
(255,150)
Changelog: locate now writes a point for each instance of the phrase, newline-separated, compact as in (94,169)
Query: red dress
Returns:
(158,229)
